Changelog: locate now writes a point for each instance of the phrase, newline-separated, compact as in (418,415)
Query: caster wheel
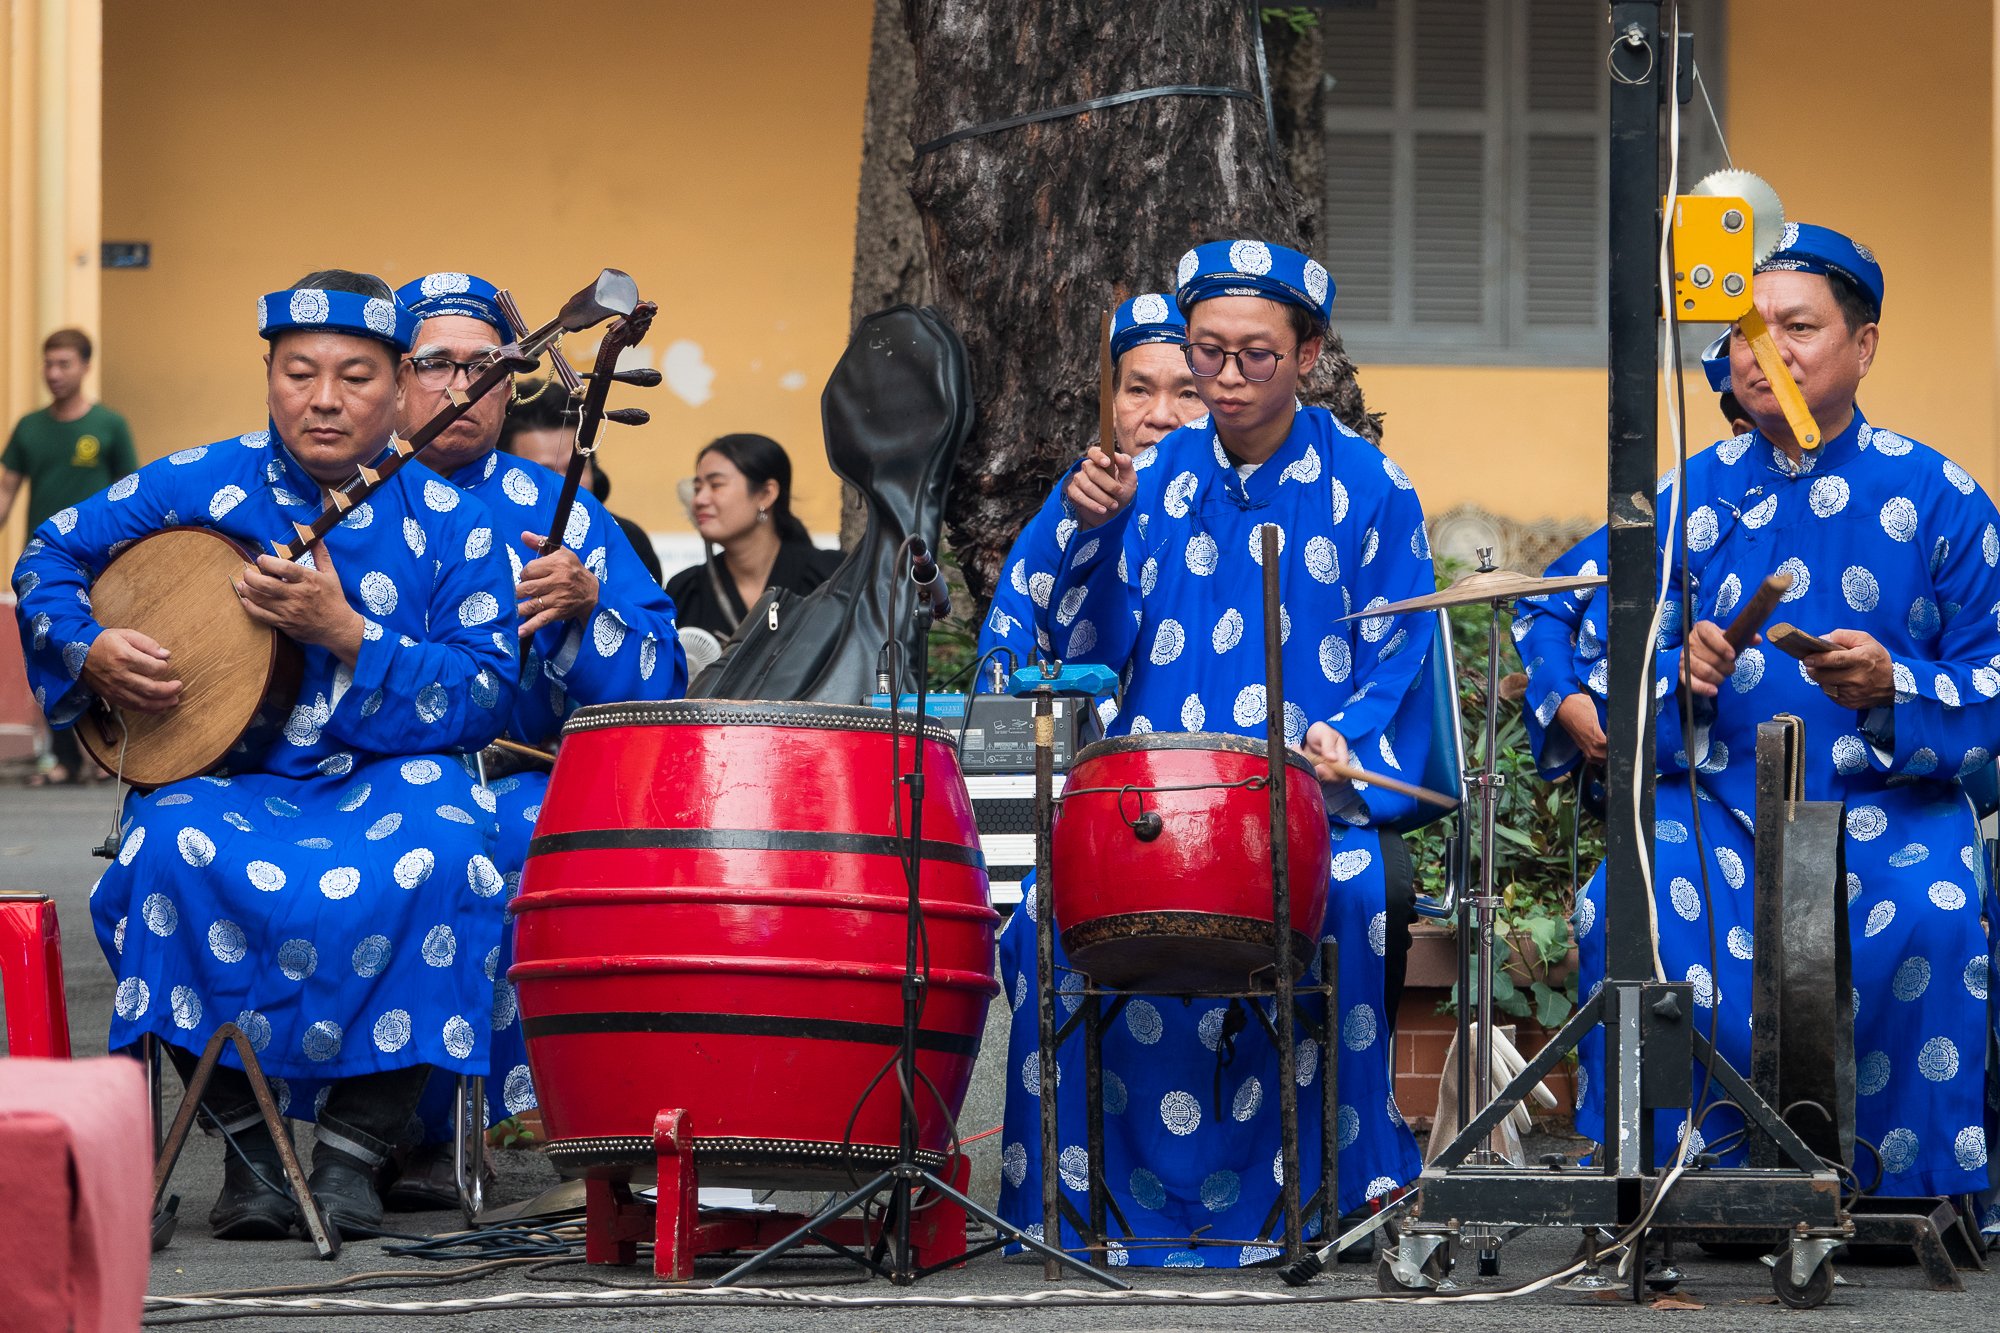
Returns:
(1815,1291)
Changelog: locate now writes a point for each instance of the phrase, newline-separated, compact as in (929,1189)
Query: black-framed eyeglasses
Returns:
(438,372)
(1256,364)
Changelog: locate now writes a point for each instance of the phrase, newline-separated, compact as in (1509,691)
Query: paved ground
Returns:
(44,842)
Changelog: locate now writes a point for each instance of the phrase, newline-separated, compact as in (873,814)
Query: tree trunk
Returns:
(890,264)
(1032,231)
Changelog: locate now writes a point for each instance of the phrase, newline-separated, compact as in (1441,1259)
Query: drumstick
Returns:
(1105,439)
(1758,610)
(525,751)
(1355,773)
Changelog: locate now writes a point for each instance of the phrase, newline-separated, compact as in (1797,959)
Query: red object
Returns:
(615,1220)
(712,918)
(20,715)
(31,976)
(76,1193)
(1183,901)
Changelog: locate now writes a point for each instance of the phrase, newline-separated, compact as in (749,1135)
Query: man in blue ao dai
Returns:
(1894,553)
(595,628)
(1153,393)
(1162,582)
(333,893)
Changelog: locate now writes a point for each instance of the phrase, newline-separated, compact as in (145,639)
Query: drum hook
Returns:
(1148,825)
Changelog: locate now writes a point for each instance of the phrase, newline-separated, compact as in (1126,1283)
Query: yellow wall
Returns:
(1865,119)
(49,118)
(711,150)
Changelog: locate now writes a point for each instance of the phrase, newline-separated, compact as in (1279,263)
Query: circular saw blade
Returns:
(1767,214)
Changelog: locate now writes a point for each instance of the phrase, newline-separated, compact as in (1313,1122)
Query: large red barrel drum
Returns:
(1161,861)
(712,918)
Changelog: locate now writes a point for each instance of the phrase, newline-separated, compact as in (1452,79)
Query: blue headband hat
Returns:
(455,294)
(336,312)
(1805,248)
(1254,268)
(1146,318)
(1715,362)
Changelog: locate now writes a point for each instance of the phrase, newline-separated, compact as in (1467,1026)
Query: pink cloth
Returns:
(76,1194)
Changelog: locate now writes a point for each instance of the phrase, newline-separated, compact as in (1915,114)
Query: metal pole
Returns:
(1490,780)
(1045,970)
(1636,61)
(1281,898)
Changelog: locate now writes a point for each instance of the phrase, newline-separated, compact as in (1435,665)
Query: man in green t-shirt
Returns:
(66,452)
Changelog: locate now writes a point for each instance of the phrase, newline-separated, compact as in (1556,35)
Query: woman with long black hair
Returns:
(742,503)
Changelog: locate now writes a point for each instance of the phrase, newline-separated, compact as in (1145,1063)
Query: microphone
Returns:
(924,573)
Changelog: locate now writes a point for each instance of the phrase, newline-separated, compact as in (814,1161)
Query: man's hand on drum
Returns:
(129,670)
(1707,659)
(553,587)
(1859,676)
(1578,716)
(1102,486)
(304,601)
(1323,748)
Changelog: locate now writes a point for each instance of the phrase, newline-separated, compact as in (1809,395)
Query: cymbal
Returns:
(1492,585)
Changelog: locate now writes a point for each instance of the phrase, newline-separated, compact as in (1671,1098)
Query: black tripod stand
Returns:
(906,1179)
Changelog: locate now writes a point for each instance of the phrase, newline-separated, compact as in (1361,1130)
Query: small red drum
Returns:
(1183,902)
(712,918)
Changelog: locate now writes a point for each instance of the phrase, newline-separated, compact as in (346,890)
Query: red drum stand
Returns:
(616,1220)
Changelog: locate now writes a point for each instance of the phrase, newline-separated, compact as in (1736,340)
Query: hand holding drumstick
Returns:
(1326,749)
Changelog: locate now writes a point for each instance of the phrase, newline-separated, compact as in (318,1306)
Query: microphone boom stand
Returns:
(906,1178)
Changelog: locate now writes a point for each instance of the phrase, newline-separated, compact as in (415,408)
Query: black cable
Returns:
(978,665)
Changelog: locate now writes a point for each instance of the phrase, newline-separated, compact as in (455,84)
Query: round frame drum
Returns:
(712,918)
(1161,860)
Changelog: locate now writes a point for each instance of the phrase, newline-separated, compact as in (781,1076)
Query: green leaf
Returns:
(1504,988)
(1551,1006)
(1516,837)
(1515,1005)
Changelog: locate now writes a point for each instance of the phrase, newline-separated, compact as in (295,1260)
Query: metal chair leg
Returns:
(468,1149)
(325,1238)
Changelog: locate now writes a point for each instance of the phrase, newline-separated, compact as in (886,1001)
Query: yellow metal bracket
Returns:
(1715,254)
(1713,258)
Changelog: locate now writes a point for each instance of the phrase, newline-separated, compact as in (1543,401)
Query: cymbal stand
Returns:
(1486,781)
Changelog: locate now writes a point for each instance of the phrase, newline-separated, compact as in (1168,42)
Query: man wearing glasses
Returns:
(1162,583)
(595,627)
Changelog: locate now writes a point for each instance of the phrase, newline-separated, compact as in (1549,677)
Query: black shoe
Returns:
(344,1189)
(255,1203)
(429,1181)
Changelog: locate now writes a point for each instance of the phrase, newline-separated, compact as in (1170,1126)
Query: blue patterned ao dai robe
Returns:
(627,651)
(1884,535)
(1018,620)
(1169,592)
(335,897)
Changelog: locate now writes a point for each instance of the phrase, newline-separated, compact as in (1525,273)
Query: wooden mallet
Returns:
(1756,611)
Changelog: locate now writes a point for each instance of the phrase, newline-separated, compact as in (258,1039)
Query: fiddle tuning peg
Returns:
(629,416)
(639,377)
